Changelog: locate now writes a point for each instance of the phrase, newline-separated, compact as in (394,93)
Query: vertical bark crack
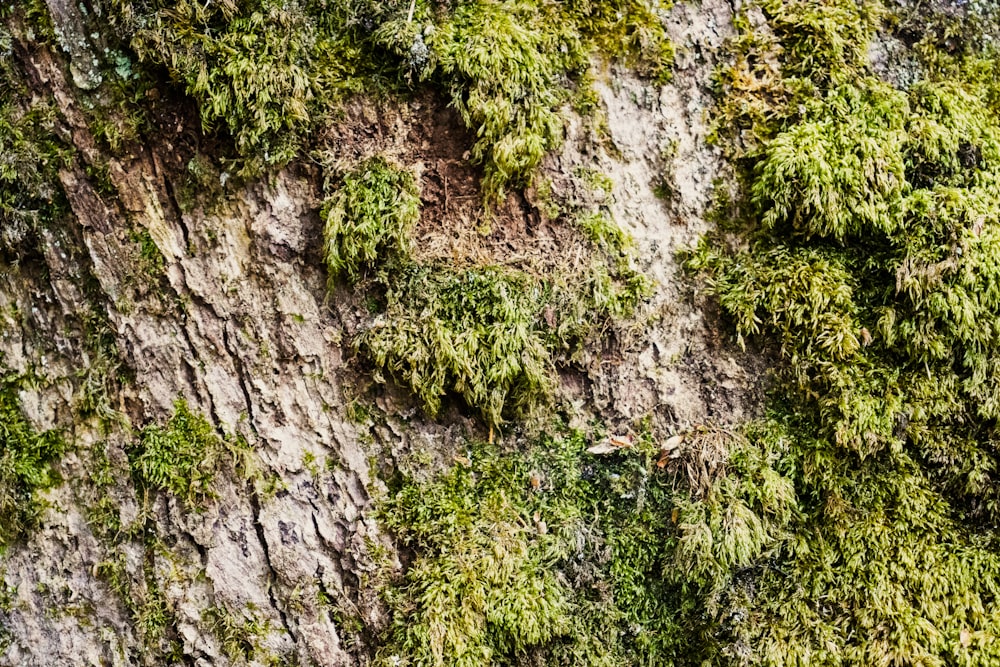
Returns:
(272,573)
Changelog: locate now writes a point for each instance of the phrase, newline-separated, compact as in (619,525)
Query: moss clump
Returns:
(488,334)
(502,63)
(240,636)
(490,582)
(629,29)
(368,218)
(547,555)
(30,157)
(491,334)
(483,588)
(473,332)
(870,252)
(249,66)
(266,69)
(182,458)
(26,458)
(142,595)
(506,66)
(840,171)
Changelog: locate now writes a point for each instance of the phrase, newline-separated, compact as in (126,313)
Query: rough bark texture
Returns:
(241,325)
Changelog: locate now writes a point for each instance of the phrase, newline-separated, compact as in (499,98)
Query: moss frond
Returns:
(368,218)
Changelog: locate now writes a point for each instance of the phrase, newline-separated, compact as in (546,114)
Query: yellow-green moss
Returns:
(184,456)
(368,218)
(869,256)
(265,70)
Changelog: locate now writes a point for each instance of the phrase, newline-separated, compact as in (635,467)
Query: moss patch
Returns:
(368,218)
(491,334)
(868,249)
(30,157)
(475,333)
(265,70)
(182,457)
(551,554)
(26,457)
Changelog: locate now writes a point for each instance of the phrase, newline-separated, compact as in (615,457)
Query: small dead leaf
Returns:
(674,515)
(550,317)
(621,440)
(602,448)
(461,460)
(664,461)
(536,481)
(540,527)
(866,336)
(965,637)
(672,444)
(612,444)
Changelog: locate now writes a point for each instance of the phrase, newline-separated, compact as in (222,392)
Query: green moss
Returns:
(869,256)
(368,218)
(473,332)
(504,64)
(140,592)
(840,171)
(26,458)
(265,70)
(548,555)
(249,68)
(202,184)
(183,457)
(491,335)
(602,231)
(488,334)
(151,264)
(240,637)
(483,588)
(484,585)
(30,158)
(629,29)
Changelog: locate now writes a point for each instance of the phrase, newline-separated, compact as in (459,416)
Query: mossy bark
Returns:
(174,302)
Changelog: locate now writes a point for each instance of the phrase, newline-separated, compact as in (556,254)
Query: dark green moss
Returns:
(26,458)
